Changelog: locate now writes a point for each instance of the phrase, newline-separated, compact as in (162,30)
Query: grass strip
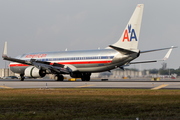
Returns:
(84,103)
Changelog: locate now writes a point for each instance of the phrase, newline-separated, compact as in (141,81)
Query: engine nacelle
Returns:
(34,72)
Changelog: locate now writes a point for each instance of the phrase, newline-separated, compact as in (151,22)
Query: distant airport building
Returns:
(118,73)
(4,72)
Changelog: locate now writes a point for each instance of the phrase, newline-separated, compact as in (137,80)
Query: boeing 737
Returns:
(80,64)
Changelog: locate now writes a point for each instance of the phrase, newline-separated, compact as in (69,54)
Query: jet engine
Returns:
(34,72)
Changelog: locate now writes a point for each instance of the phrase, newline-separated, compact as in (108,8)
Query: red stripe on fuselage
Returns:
(84,62)
(17,65)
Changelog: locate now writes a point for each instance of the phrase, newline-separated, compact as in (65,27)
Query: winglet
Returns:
(5,50)
(168,53)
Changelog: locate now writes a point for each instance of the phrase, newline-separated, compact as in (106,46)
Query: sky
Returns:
(56,25)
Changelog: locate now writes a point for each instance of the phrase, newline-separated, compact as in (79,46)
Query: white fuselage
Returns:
(84,61)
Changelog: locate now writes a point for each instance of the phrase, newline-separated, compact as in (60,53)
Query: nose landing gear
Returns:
(21,77)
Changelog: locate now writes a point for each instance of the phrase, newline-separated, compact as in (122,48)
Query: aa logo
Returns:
(131,33)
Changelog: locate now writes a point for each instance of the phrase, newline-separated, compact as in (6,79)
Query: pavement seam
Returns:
(86,85)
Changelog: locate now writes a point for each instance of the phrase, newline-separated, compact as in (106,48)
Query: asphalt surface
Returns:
(96,83)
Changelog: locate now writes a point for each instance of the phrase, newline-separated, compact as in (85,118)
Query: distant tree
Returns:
(177,71)
(160,71)
(163,72)
(153,71)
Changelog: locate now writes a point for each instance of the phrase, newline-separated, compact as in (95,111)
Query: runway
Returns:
(11,84)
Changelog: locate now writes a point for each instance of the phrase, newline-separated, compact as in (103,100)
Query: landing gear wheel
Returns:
(86,77)
(59,77)
(21,79)
(83,78)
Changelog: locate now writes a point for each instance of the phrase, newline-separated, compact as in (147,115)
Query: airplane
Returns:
(81,63)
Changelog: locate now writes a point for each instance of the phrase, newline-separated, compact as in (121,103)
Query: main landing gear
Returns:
(85,76)
(59,77)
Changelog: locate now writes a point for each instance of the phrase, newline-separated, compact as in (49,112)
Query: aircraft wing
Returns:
(51,68)
(165,57)
(55,68)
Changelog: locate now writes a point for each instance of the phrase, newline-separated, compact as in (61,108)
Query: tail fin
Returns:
(130,37)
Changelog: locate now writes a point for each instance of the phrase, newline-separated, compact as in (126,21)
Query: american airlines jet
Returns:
(80,64)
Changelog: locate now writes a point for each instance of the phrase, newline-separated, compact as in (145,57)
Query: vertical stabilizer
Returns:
(130,37)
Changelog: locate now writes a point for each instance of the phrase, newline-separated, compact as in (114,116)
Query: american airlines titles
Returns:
(36,56)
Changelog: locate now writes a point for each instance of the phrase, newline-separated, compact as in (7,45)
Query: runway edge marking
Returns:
(159,87)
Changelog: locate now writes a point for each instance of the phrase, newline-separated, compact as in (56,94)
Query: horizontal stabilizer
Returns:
(122,50)
(143,62)
(165,57)
(157,49)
